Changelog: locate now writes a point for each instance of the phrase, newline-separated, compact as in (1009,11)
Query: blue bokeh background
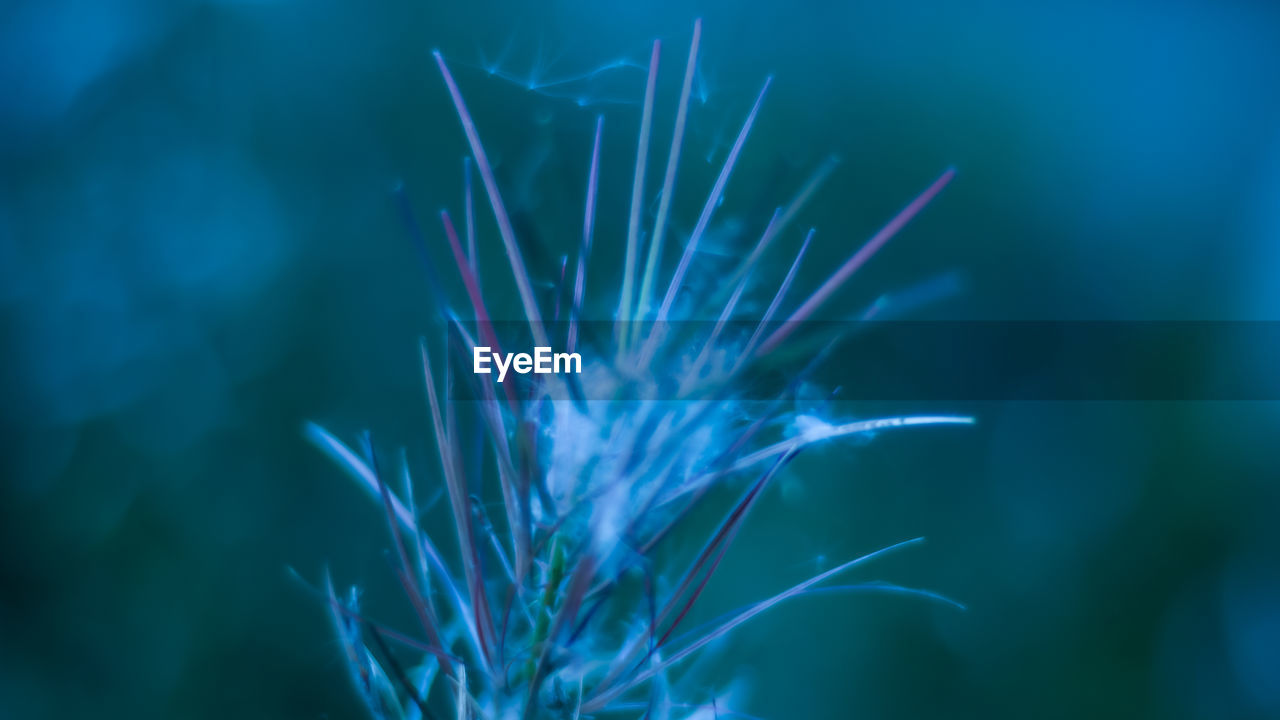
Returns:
(199,250)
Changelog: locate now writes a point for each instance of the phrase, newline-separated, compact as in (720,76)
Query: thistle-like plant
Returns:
(556,609)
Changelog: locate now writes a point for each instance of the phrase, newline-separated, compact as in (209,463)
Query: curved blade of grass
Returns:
(602,698)
(873,587)
(852,428)
(356,467)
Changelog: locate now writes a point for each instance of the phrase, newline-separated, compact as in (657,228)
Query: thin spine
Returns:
(775,303)
(588,229)
(428,549)
(419,704)
(730,305)
(602,698)
(461,516)
(717,544)
(712,201)
(518,270)
(492,411)
(491,415)
(872,586)
(852,428)
(361,471)
(339,611)
(724,537)
(364,669)
(637,196)
(515,519)
(668,182)
(487,530)
(857,260)
(469,210)
(469,281)
(424,568)
(560,286)
(859,427)
(419,241)
(480,596)
(792,208)
(357,467)
(701,483)
(420,601)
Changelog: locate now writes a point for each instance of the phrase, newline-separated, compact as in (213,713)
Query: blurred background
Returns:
(200,248)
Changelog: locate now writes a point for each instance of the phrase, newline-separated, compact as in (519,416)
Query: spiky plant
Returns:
(540,616)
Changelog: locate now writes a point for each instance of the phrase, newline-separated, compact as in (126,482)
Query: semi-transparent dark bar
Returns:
(889,360)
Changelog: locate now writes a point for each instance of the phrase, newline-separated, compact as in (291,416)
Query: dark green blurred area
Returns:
(200,250)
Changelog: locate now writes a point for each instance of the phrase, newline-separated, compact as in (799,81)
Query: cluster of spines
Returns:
(553,582)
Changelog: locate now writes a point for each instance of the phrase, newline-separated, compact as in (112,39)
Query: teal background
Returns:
(199,251)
